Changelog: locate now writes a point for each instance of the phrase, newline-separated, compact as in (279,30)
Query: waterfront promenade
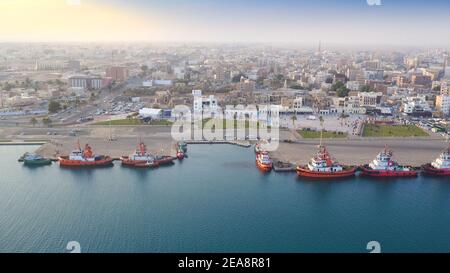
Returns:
(292,148)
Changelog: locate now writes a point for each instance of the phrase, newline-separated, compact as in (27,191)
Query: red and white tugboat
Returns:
(263,161)
(180,154)
(84,158)
(384,166)
(324,166)
(439,167)
(140,159)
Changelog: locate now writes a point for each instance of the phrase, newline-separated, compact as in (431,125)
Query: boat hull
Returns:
(126,162)
(42,162)
(66,162)
(166,160)
(387,173)
(263,167)
(304,172)
(430,170)
(180,156)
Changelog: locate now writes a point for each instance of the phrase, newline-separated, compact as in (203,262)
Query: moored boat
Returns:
(323,166)
(182,146)
(180,154)
(384,166)
(140,159)
(263,161)
(439,167)
(30,159)
(258,148)
(84,158)
(162,160)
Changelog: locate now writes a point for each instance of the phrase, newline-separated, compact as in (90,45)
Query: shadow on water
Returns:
(83,173)
(324,181)
(33,168)
(141,173)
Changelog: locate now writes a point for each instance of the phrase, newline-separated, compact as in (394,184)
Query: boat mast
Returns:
(321,130)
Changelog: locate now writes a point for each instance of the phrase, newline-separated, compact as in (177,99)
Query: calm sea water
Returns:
(214,201)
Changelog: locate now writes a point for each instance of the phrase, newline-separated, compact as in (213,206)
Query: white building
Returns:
(447,72)
(151,113)
(353,85)
(417,104)
(202,103)
(445,88)
(348,105)
(86,81)
(298,106)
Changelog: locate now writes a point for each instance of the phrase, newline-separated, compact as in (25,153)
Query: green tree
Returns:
(92,97)
(340,88)
(437,88)
(366,88)
(54,106)
(294,119)
(337,85)
(342,92)
(144,69)
(237,78)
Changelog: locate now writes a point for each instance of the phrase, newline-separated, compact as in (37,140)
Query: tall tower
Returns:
(320,47)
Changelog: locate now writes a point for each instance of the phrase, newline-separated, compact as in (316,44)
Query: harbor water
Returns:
(216,200)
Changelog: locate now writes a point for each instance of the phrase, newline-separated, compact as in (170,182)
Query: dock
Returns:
(23,142)
(279,166)
(244,144)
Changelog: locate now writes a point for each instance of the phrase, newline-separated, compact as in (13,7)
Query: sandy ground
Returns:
(116,148)
(413,152)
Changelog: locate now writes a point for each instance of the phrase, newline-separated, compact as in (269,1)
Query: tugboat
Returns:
(180,154)
(324,166)
(84,158)
(182,146)
(441,166)
(30,159)
(181,150)
(263,161)
(258,148)
(384,166)
(140,159)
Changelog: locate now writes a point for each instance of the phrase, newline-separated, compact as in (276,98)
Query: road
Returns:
(72,115)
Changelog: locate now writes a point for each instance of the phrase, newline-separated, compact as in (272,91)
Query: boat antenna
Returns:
(78,143)
(321,130)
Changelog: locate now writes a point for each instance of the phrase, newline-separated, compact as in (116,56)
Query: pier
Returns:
(244,144)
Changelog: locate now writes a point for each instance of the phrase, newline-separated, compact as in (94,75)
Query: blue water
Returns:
(214,201)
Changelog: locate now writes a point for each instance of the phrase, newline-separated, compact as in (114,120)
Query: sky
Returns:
(334,22)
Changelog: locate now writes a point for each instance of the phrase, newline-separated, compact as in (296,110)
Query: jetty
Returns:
(245,144)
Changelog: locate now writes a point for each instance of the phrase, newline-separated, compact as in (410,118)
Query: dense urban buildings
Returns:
(407,83)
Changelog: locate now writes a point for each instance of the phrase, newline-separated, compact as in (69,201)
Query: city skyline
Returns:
(351,22)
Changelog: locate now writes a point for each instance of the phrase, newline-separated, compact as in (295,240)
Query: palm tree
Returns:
(33,121)
(294,119)
(47,121)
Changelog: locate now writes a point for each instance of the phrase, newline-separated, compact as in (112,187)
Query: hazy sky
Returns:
(395,22)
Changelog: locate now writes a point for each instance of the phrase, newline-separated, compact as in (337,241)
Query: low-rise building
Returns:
(416,106)
(443,104)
